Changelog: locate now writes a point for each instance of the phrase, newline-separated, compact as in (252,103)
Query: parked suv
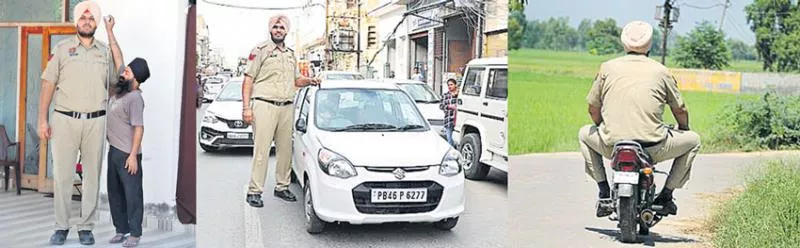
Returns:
(482,117)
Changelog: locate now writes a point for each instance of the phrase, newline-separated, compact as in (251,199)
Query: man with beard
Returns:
(125,132)
(270,80)
(76,79)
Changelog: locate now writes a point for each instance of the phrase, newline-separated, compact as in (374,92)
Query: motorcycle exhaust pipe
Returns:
(647,216)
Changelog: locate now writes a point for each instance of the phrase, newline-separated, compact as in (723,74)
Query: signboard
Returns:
(418,23)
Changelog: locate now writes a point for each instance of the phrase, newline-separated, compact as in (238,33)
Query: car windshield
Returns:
(343,76)
(341,110)
(420,93)
(231,92)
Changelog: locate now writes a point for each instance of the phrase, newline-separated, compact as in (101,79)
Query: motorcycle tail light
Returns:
(627,168)
(626,156)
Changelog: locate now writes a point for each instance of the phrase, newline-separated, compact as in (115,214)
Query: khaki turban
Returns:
(637,36)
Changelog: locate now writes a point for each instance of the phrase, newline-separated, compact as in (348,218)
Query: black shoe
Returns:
(255,200)
(665,207)
(605,207)
(286,195)
(59,237)
(86,237)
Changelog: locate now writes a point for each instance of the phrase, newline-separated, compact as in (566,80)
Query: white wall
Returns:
(154,30)
(386,24)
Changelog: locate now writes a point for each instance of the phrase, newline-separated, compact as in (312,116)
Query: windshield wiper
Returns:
(365,126)
(409,127)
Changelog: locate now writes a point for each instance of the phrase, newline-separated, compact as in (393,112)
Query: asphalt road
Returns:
(225,220)
(552,201)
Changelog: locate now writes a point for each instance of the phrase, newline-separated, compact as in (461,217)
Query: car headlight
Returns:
(450,165)
(210,118)
(335,165)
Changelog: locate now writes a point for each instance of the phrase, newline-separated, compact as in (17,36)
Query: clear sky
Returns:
(236,31)
(624,11)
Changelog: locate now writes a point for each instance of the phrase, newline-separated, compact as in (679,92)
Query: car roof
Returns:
(401,81)
(358,84)
(490,61)
(340,72)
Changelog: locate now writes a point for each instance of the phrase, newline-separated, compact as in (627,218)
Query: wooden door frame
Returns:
(41,182)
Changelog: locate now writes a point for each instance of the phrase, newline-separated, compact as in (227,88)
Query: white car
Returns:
(222,125)
(364,154)
(212,87)
(427,101)
(340,75)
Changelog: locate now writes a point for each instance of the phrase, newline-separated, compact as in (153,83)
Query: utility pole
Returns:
(724,10)
(666,25)
(358,37)
(327,40)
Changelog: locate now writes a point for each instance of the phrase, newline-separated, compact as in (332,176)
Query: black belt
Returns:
(79,115)
(276,103)
(648,144)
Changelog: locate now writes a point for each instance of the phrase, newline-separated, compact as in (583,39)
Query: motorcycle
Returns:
(634,190)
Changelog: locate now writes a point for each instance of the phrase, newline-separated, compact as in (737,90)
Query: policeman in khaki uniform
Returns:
(626,102)
(269,87)
(76,79)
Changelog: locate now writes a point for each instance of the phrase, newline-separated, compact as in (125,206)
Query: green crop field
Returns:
(547,103)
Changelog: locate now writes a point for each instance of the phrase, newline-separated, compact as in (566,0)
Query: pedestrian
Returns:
(76,80)
(449,105)
(417,76)
(270,79)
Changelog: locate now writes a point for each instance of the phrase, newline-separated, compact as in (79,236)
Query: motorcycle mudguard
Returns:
(625,190)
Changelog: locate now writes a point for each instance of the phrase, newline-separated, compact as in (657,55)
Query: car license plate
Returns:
(626,177)
(238,135)
(399,195)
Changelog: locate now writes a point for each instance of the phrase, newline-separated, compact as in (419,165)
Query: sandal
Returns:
(118,238)
(131,241)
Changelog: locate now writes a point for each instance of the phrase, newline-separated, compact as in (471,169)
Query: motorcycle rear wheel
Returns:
(627,219)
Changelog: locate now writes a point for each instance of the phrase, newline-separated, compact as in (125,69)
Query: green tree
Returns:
(516,29)
(583,33)
(533,33)
(517,5)
(776,24)
(704,47)
(604,37)
(557,34)
(742,51)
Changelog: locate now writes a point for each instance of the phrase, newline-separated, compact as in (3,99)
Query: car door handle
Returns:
(485,103)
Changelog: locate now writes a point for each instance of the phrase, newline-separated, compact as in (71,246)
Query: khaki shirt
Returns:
(81,75)
(631,91)
(273,71)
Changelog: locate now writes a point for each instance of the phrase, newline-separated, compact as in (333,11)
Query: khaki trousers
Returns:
(271,122)
(69,136)
(680,145)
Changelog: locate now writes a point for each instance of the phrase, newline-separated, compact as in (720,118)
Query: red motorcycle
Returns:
(634,190)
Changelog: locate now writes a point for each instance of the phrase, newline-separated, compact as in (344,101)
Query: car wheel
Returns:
(314,225)
(470,149)
(209,148)
(446,224)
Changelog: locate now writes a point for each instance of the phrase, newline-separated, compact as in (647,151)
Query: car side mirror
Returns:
(301,125)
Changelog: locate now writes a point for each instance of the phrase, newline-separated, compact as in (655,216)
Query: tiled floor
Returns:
(27,221)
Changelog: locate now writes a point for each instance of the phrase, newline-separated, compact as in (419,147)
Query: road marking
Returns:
(252,226)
